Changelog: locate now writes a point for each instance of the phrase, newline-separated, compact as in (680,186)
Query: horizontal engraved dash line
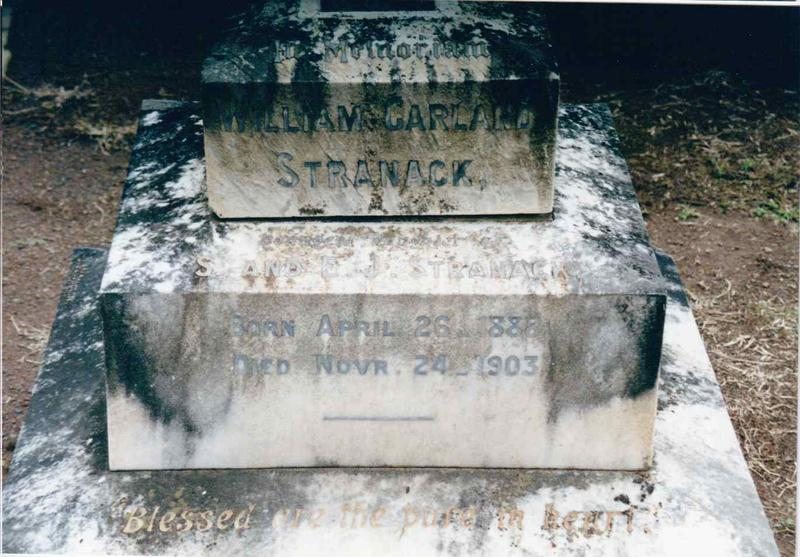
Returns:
(377,418)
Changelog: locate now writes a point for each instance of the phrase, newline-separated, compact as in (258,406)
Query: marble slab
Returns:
(322,109)
(59,496)
(460,342)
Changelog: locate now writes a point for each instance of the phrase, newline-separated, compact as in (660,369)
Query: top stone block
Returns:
(331,108)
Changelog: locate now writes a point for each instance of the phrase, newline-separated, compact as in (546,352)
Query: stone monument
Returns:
(500,311)
(224,339)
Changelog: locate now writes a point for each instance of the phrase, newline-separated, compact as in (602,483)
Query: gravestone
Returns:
(314,109)
(500,339)
(224,338)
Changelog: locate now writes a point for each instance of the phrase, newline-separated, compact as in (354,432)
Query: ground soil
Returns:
(57,195)
(714,161)
(741,276)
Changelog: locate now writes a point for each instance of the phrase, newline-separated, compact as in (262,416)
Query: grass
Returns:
(70,112)
(781,213)
(715,142)
(32,339)
(760,390)
(687,213)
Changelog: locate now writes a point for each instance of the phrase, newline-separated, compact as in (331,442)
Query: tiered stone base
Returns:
(60,497)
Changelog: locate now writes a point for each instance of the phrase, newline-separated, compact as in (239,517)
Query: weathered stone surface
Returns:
(503,343)
(59,496)
(448,111)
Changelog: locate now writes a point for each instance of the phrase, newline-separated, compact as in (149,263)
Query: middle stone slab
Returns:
(445,110)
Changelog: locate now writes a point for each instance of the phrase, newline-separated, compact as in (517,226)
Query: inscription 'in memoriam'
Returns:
(382,50)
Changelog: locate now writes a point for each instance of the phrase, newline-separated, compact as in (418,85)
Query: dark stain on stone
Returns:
(128,366)
(310,210)
(446,207)
(647,490)
(606,359)
(669,270)
(140,345)
(686,388)
(376,198)
(650,339)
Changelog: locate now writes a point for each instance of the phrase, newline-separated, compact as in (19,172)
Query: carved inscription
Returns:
(162,520)
(383,112)
(393,173)
(421,328)
(595,522)
(399,519)
(394,115)
(328,266)
(359,166)
(422,49)
(436,340)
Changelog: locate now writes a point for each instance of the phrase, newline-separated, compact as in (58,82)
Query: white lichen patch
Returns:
(173,189)
(189,183)
(151,118)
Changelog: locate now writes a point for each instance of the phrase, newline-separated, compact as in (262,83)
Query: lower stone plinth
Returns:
(60,497)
